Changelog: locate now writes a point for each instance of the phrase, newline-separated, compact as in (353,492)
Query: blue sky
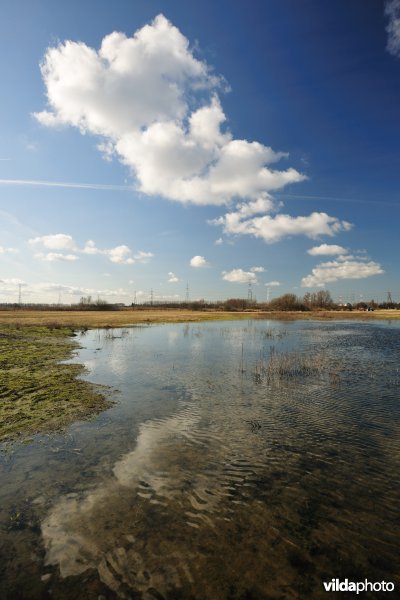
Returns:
(154,145)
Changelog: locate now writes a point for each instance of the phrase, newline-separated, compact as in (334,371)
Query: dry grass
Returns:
(121,318)
(288,365)
(283,367)
(124,318)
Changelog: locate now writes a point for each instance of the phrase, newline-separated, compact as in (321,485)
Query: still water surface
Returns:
(213,478)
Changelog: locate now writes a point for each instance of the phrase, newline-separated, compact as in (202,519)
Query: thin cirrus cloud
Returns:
(344,267)
(157,109)
(66,184)
(392,11)
(60,241)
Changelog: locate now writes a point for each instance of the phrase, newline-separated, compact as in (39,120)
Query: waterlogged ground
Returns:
(242,461)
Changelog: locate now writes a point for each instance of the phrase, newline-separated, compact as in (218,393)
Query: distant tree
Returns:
(287,302)
(86,300)
(361,306)
(235,304)
(320,299)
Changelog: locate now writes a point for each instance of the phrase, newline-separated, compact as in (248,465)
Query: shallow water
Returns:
(212,477)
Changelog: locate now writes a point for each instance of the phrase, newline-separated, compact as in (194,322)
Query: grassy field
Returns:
(124,318)
(37,393)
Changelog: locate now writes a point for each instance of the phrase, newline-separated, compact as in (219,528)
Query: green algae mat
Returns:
(38,393)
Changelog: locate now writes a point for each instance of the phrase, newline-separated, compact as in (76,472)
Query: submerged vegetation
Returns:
(288,365)
(37,392)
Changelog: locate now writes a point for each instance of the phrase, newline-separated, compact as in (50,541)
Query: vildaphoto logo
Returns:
(335,585)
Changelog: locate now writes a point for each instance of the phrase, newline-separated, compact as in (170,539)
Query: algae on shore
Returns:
(37,392)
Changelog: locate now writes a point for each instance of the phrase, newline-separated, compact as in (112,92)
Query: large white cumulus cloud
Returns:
(157,108)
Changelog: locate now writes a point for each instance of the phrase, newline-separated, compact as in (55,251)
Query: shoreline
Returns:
(130,317)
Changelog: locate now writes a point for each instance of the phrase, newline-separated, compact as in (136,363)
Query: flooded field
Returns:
(242,460)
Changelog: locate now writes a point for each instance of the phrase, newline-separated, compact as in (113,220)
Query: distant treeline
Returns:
(321,300)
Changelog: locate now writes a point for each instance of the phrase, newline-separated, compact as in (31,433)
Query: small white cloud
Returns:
(31,146)
(392,11)
(326,249)
(273,284)
(91,248)
(257,270)
(219,242)
(57,241)
(172,278)
(142,257)
(121,255)
(239,276)
(198,262)
(56,256)
(342,268)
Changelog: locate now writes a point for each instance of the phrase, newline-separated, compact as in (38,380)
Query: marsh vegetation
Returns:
(39,392)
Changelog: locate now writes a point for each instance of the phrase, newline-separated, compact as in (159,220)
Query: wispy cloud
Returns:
(64,184)
(392,11)
(172,278)
(56,257)
(4,250)
(257,269)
